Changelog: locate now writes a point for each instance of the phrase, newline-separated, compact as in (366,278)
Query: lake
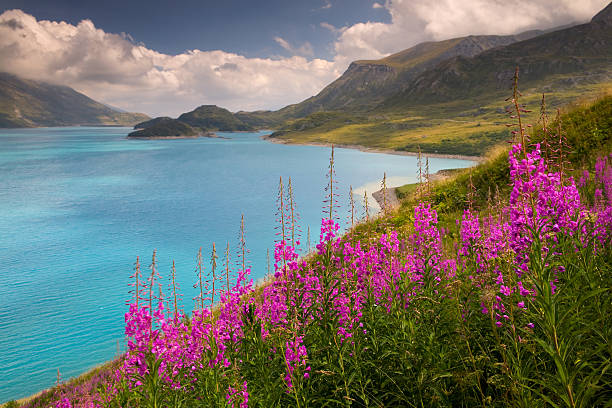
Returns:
(78,204)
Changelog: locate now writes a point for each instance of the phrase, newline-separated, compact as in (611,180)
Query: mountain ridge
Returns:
(453,104)
(30,103)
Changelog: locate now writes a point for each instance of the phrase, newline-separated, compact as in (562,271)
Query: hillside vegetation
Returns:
(460,298)
(202,120)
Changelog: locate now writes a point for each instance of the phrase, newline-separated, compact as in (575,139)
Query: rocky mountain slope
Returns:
(368,83)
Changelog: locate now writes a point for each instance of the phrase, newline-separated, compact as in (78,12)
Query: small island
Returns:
(169,129)
(201,122)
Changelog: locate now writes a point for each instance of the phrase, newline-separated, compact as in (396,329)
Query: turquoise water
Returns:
(77,205)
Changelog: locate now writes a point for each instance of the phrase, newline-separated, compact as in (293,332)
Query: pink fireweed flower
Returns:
(295,358)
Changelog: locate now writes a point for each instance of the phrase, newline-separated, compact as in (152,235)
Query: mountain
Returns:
(151,122)
(165,128)
(582,52)
(368,83)
(28,103)
(447,97)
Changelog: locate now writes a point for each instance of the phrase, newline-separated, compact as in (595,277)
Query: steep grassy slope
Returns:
(27,103)
(584,51)
(586,128)
(455,105)
(367,83)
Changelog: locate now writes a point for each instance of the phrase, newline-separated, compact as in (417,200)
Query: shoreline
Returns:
(392,201)
(207,135)
(365,149)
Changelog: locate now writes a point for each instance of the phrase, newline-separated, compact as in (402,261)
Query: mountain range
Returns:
(444,96)
(448,96)
(28,103)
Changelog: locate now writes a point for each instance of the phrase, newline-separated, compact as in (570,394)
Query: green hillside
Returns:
(212,117)
(367,83)
(166,128)
(454,105)
(27,103)
(202,120)
(151,122)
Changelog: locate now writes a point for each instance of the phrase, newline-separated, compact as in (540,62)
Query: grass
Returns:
(467,126)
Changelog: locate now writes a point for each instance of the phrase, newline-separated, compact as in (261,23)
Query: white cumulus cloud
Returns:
(414,21)
(112,69)
(304,49)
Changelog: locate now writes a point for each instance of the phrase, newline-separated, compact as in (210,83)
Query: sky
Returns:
(167,57)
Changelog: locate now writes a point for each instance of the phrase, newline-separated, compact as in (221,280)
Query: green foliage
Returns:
(588,130)
(212,117)
(166,128)
(588,133)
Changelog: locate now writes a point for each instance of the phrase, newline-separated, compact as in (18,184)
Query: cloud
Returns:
(12,24)
(414,21)
(330,27)
(112,69)
(377,6)
(304,50)
(327,5)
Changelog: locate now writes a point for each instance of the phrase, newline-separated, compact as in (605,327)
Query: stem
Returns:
(174,289)
(290,188)
(281,208)
(200,279)
(227,260)
(331,184)
(213,263)
(515,97)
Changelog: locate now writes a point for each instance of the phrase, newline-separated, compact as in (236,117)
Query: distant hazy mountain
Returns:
(27,103)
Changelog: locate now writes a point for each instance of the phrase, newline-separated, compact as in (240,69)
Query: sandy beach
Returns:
(392,200)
